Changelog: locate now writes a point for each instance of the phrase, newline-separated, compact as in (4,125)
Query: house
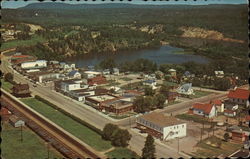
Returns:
(67,67)
(70,85)
(91,74)
(185,89)
(97,80)
(16,122)
(106,72)
(161,126)
(172,72)
(219,74)
(116,71)
(218,104)
(5,113)
(74,74)
(239,135)
(151,83)
(230,113)
(171,96)
(34,64)
(21,90)
(239,96)
(204,109)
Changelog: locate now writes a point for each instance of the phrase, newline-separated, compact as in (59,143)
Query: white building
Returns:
(49,76)
(161,126)
(186,89)
(151,83)
(91,74)
(70,85)
(15,121)
(67,67)
(80,94)
(34,64)
(204,109)
(219,74)
(116,71)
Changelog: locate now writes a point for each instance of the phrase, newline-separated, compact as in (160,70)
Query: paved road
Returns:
(92,116)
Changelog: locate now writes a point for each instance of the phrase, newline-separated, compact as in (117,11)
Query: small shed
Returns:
(16,122)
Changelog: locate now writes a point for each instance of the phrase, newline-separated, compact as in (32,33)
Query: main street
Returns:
(95,118)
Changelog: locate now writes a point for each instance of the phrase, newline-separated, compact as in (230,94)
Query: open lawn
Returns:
(126,79)
(32,146)
(199,94)
(120,153)
(82,132)
(122,116)
(6,85)
(205,149)
(195,118)
(14,43)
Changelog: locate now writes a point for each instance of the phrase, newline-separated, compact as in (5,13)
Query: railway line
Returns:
(64,142)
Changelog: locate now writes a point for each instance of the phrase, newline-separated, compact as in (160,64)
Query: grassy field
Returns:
(199,94)
(82,132)
(126,79)
(32,146)
(6,85)
(14,43)
(207,150)
(122,153)
(195,118)
(122,116)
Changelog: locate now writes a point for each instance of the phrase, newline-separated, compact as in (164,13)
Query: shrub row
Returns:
(69,115)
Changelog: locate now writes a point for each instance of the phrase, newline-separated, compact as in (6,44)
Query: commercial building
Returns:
(80,94)
(161,126)
(70,85)
(34,64)
(97,80)
(117,106)
(97,100)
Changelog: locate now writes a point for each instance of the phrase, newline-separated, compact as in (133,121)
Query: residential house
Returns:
(21,90)
(74,74)
(204,109)
(15,121)
(161,126)
(97,80)
(230,113)
(185,89)
(218,104)
(67,67)
(5,113)
(116,71)
(171,96)
(239,135)
(151,83)
(91,74)
(172,72)
(239,96)
(106,72)
(219,74)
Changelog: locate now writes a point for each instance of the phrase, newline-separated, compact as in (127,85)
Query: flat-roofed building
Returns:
(161,126)
(117,105)
(34,64)
(96,101)
(21,90)
(80,94)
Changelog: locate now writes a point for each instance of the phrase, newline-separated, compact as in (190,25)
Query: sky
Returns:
(21,3)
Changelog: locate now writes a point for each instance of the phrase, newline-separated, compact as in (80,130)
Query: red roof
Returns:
(229,111)
(217,102)
(21,56)
(239,93)
(248,118)
(5,111)
(206,108)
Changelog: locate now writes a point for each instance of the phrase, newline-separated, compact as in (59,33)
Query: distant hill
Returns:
(58,5)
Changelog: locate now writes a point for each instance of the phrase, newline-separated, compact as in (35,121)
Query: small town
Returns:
(63,108)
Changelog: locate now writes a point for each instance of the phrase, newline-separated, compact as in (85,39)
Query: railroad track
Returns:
(64,142)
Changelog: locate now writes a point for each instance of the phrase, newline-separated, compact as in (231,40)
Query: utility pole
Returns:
(48,150)
(21,129)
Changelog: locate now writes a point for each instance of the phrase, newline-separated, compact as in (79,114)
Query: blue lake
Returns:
(164,54)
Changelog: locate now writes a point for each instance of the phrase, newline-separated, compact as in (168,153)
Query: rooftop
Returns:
(206,108)
(239,93)
(216,102)
(102,98)
(161,120)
